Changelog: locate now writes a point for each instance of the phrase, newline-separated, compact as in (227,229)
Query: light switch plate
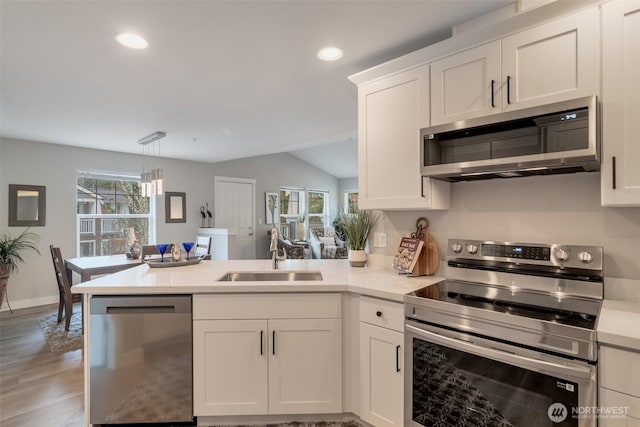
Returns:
(379,240)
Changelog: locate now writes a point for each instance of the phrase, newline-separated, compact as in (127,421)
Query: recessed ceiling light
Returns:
(330,54)
(131,40)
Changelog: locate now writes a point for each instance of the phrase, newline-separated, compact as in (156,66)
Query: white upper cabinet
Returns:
(391,112)
(466,85)
(552,62)
(621,104)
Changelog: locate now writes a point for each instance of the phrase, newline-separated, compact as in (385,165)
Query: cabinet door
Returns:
(553,62)
(230,367)
(627,409)
(381,376)
(391,112)
(305,366)
(466,85)
(621,104)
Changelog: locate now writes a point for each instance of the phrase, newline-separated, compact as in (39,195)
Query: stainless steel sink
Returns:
(270,276)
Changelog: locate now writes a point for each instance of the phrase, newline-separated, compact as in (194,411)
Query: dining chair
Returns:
(67,299)
(148,251)
(203,246)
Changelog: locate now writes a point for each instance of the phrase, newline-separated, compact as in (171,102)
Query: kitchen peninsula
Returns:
(299,342)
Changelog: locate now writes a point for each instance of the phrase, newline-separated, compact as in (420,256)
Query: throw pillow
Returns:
(327,241)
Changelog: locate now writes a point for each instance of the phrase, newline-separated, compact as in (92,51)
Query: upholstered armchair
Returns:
(325,244)
(293,251)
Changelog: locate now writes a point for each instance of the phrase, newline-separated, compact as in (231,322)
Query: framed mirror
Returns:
(27,205)
(175,207)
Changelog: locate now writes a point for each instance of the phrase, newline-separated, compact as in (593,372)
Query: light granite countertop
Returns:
(337,276)
(619,324)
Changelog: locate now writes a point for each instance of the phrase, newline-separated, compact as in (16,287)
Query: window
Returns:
(111,210)
(291,204)
(291,207)
(318,209)
(350,205)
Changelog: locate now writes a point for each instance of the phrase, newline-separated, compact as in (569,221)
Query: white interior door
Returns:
(235,210)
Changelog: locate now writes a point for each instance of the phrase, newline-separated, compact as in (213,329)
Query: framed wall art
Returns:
(27,205)
(271,208)
(175,207)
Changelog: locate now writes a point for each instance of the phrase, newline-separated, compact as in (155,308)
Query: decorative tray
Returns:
(156,263)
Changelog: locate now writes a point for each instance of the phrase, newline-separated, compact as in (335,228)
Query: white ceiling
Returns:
(224,79)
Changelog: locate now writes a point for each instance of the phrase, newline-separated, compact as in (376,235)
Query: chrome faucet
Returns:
(274,248)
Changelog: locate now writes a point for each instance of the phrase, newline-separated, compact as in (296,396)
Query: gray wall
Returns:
(54,166)
(272,172)
(35,163)
(543,209)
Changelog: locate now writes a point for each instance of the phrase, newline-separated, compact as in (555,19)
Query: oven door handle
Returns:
(504,356)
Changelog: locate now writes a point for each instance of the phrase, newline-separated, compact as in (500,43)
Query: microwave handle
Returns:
(613,172)
(503,356)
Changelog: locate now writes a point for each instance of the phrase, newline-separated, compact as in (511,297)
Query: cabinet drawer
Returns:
(388,314)
(624,409)
(620,370)
(267,306)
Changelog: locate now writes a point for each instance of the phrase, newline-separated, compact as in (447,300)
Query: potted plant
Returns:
(11,251)
(357,227)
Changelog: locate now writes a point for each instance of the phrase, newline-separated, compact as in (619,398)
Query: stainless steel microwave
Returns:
(555,138)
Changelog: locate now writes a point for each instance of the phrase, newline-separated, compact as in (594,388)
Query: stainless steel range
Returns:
(508,339)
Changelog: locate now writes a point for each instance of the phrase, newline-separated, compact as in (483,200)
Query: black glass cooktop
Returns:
(517,303)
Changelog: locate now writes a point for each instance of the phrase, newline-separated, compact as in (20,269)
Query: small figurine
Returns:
(136,249)
(175,253)
(204,215)
(210,215)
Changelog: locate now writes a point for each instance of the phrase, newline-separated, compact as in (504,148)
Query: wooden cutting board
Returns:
(429,260)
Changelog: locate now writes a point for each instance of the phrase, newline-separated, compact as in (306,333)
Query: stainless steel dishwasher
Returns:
(140,359)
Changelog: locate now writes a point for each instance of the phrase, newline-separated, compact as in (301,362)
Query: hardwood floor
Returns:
(37,387)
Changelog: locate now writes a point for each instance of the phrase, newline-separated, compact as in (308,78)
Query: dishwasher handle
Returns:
(143,304)
(142,309)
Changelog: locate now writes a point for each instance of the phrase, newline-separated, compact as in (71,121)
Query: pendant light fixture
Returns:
(151,178)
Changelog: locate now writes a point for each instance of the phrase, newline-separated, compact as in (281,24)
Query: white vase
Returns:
(300,231)
(357,258)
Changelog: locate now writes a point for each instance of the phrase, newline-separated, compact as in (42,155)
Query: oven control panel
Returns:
(572,256)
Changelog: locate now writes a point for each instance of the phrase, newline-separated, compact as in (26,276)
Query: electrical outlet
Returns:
(379,240)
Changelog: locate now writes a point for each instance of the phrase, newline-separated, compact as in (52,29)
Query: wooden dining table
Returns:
(95,265)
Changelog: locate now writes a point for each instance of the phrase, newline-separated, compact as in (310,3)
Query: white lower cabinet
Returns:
(619,399)
(381,375)
(381,362)
(230,367)
(305,362)
(279,363)
(621,409)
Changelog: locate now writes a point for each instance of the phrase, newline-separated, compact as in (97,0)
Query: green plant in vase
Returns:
(11,254)
(356,228)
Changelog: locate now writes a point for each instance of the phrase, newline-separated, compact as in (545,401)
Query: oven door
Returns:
(457,379)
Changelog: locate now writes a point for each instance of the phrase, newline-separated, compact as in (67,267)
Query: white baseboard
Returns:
(32,302)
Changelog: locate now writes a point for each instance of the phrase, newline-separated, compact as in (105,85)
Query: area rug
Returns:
(57,338)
